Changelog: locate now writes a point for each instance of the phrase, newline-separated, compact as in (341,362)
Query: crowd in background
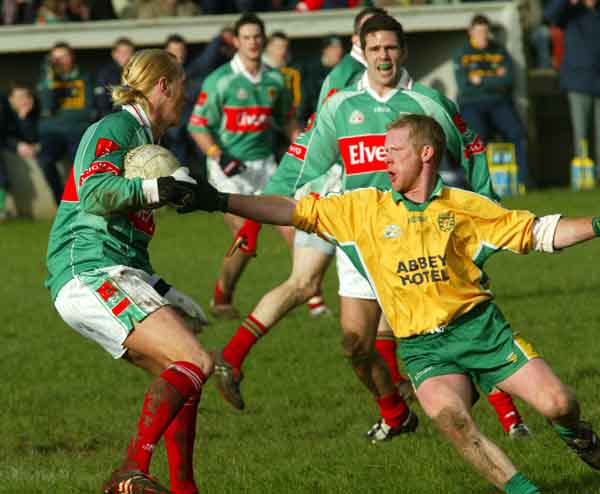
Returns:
(45,120)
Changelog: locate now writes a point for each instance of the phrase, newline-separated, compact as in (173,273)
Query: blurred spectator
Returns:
(18,11)
(66,109)
(580,69)
(484,75)
(51,12)
(218,51)
(77,11)
(23,138)
(156,9)
(110,75)
(277,56)
(314,73)
(537,34)
(14,137)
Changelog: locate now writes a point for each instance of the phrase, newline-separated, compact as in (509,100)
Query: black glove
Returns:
(231,166)
(176,193)
(205,198)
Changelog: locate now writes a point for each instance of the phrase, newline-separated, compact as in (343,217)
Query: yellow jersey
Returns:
(423,261)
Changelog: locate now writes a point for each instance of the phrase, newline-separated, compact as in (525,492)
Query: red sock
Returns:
(179,442)
(243,340)
(163,401)
(386,347)
(505,408)
(393,409)
(219,297)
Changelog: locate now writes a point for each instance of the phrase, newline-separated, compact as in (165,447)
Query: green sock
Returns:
(2,199)
(519,484)
(565,432)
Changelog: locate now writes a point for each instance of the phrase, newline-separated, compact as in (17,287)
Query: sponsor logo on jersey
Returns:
(242,93)
(356,117)
(105,146)
(446,221)
(382,109)
(70,191)
(363,154)
(459,122)
(247,119)
(392,231)
(424,269)
(143,221)
(202,97)
(272,93)
(198,120)
(98,167)
(297,151)
(474,147)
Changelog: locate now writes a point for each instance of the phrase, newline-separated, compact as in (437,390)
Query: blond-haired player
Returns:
(102,282)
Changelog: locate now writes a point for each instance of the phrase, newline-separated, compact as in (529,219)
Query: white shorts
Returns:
(251,181)
(352,283)
(313,241)
(103,304)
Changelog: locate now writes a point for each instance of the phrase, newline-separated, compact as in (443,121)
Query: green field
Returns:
(67,410)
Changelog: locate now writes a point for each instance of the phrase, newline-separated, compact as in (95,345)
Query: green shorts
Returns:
(479,344)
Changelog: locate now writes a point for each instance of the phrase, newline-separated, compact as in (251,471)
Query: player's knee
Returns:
(355,349)
(558,402)
(304,286)
(455,423)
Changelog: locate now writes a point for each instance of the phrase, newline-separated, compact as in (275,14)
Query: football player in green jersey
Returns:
(101,279)
(230,124)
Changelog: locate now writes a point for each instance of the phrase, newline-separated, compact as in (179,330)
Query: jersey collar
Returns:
(139,114)
(413,206)
(357,54)
(238,68)
(404,84)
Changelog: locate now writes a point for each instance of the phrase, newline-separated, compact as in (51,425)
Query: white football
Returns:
(150,161)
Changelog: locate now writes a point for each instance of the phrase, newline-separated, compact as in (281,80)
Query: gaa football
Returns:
(150,161)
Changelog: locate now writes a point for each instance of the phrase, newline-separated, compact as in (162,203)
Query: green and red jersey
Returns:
(351,127)
(237,109)
(101,220)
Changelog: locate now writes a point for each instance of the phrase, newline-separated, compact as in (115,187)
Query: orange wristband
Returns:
(212,150)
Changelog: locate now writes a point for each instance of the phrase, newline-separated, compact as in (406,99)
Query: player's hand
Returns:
(246,238)
(174,192)
(231,166)
(205,198)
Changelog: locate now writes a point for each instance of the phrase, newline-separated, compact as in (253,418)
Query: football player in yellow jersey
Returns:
(422,247)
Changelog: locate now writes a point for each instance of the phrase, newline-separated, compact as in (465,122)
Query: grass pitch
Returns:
(67,410)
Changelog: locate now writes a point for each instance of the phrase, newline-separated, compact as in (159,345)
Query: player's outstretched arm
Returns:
(571,231)
(276,210)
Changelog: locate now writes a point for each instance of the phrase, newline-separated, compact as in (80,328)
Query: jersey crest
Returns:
(105,146)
